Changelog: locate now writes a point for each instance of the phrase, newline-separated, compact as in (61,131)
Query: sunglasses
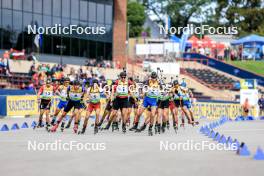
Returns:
(123,77)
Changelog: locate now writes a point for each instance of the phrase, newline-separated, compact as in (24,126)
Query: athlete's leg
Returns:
(138,114)
(124,118)
(41,117)
(54,116)
(86,119)
(47,113)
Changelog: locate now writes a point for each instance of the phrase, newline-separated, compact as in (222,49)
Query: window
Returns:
(7,16)
(75,47)
(108,14)
(56,20)
(7,4)
(47,7)
(66,8)
(65,22)
(46,20)
(83,10)
(37,6)
(27,5)
(27,19)
(57,7)
(17,4)
(37,20)
(100,13)
(75,9)
(92,11)
(17,18)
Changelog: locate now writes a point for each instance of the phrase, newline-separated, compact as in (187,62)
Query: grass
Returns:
(253,66)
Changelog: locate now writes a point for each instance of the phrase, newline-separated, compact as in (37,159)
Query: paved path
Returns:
(129,154)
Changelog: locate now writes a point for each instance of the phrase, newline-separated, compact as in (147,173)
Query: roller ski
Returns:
(150,132)
(115,126)
(62,126)
(96,129)
(124,128)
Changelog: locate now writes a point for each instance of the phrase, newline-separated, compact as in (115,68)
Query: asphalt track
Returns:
(131,154)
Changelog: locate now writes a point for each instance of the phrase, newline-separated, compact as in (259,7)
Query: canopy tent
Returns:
(206,42)
(251,39)
(252,46)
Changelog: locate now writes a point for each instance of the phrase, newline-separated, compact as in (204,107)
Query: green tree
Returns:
(181,11)
(247,15)
(136,18)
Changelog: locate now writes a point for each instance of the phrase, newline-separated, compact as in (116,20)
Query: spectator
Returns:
(246,108)
(261,105)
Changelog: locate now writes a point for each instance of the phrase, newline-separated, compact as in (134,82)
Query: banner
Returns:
(21,105)
(28,105)
(248,84)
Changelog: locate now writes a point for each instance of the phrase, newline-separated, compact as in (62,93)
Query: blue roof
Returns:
(249,39)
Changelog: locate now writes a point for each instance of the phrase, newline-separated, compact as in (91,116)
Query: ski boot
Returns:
(124,128)
(150,133)
(115,126)
(142,128)
(163,127)
(168,125)
(134,127)
(96,129)
(83,131)
(54,128)
(62,126)
(175,127)
(53,121)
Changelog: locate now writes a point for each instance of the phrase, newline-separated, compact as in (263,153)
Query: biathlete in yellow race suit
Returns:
(150,101)
(62,93)
(94,104)
(75,94)
(45,95)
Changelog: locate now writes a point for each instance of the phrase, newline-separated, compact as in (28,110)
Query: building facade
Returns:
(17,15)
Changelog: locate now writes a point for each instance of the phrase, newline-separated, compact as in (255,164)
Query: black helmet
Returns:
(76,82)
(154,75)
(123,74)
(95,81)
(175,82)
(66,79)
(49,81)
